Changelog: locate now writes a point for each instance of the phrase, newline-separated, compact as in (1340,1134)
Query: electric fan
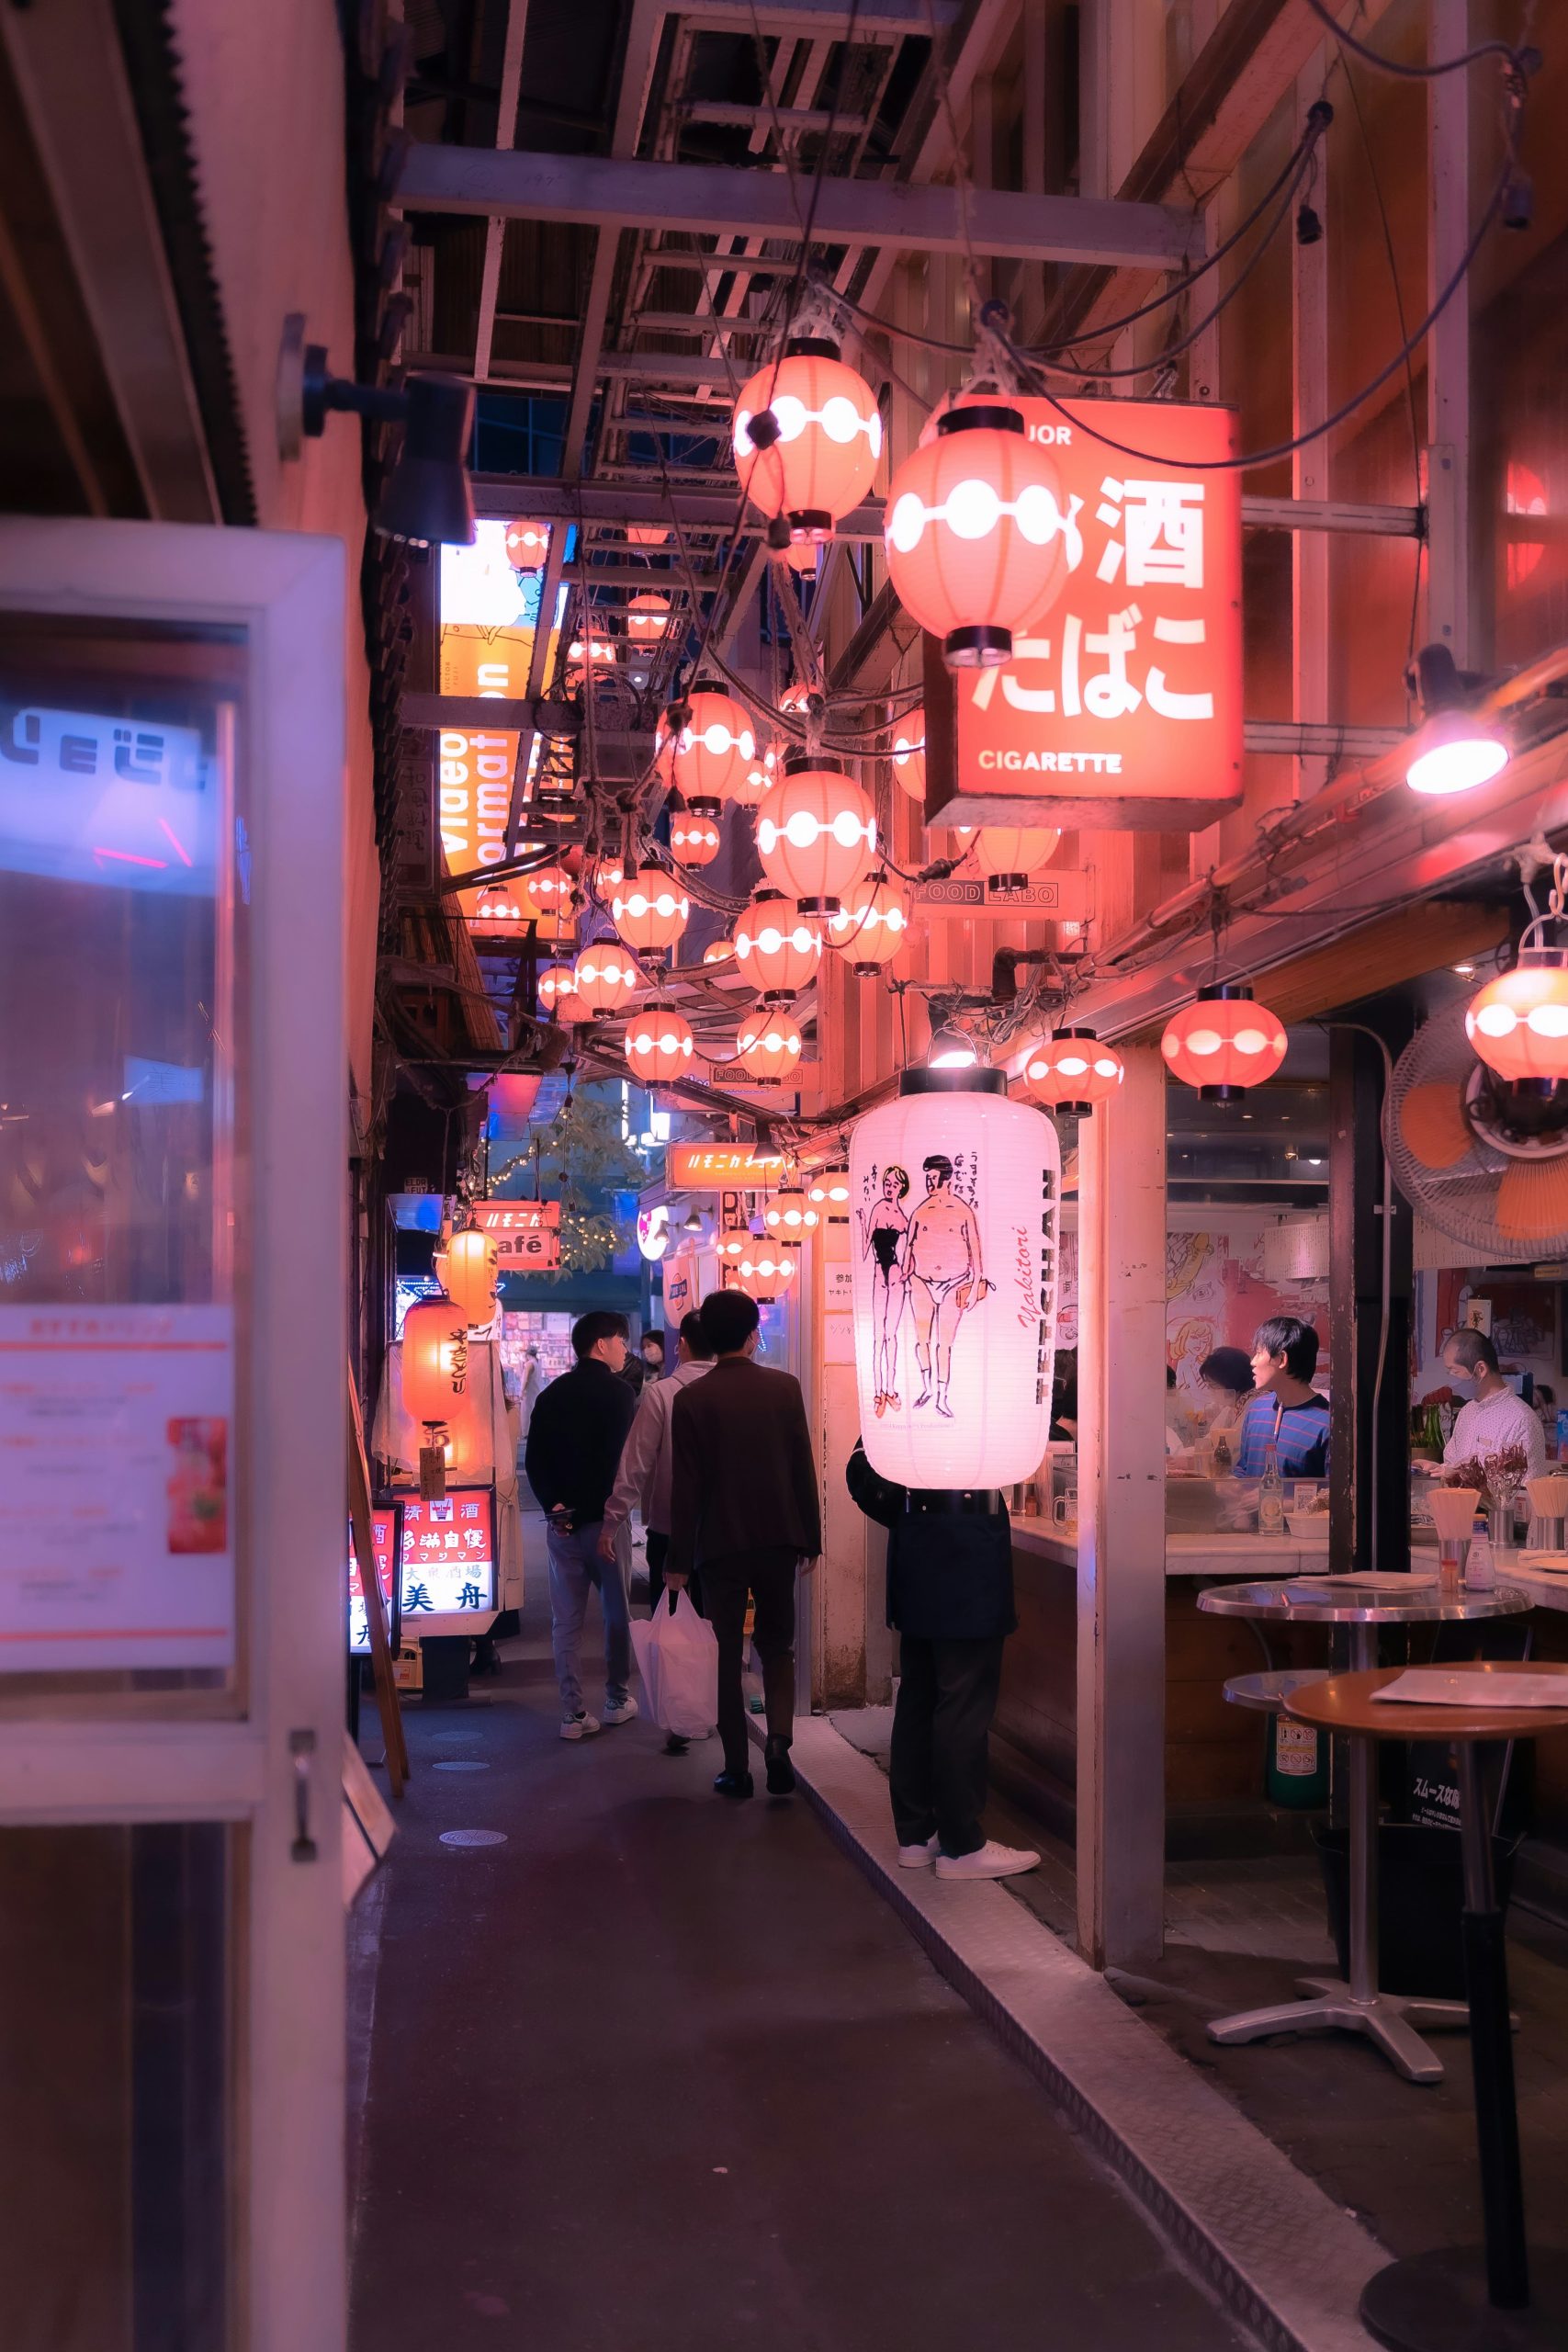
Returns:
(1485,1160)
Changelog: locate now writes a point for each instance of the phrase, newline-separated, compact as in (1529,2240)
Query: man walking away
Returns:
(575,1437)
(643,1479)
(745,1513)
(950,1597)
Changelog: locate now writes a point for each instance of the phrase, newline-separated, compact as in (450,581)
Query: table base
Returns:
(1438,2302)
(1389,2020)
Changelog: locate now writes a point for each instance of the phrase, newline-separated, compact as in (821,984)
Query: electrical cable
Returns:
(1515,59)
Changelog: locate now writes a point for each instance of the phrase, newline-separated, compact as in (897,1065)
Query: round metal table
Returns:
(1388,2019)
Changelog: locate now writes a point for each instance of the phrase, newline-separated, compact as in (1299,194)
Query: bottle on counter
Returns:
(1271,1495)
(1222,1455)
(1480,1566)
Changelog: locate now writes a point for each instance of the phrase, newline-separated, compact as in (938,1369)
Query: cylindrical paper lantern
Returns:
(1008,854)
(871,925)
(776,946)
(604,978)
(693,839)
(790,1216)
(472,1266)
(1519,1023)
(768,1046)
(1224,1043)
(807,436)
(650,909)
(955,1196)
(975,533)
(816,834)
(908,751)
(1072,1071)
(659,1043)
(714,746)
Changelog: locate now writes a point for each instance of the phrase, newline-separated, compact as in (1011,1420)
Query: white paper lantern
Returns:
(955,1198)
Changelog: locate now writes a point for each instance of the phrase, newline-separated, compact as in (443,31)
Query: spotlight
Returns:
(692,1222)
(1455,747)
(951,1048)
(427,497)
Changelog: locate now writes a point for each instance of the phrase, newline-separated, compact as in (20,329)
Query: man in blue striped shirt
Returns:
(1286,1412)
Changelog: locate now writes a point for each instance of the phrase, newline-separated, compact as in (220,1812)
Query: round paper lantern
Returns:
(1008,854)
(765,768)
(527,545)
(768,1046)
(648,534)
(816,834)
(601,876)
(1224,1043)
(714,748)
(559,999)
(693,840)
(650,909)
(547,891)
(807,436)
(1072,1071)
(1519,1023)
(954,1193)
(871,925)
(604,978)
(722,951)
(763,1269)
(777,948)
(976,533)
(790,1216)
(909,752)
(828,1190)
(500,909)
(801,556)
(647,617)
(596,649)
(735,1242)
(435,1360)
(659,1043)
(472,1266)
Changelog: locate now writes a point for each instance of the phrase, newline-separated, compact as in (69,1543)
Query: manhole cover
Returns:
(459,1764)
(473,1837)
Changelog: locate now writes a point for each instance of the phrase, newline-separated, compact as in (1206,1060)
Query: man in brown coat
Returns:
(746,1511)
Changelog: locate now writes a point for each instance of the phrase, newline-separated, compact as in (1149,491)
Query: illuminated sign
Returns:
(1122,706)
(681,1292)
(383,1545)
(1057,896)
(447,1555)
(718,1168)
(653,1232)
(526,1234)
(489,615)
(87,799)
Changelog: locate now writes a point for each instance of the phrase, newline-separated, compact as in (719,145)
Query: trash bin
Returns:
(1420,1895)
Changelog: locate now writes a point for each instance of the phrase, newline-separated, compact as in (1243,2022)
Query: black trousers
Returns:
(656,1550)
(947,1696)
(768,1574)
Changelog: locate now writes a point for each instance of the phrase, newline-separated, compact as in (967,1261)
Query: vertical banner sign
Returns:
(954,1204)
(1122,705)
(489,613)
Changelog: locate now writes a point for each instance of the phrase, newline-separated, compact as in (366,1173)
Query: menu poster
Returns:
(117,1487)
(448,1555)
(383,1545)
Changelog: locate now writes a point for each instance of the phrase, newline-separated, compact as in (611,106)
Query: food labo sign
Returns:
(1122,705)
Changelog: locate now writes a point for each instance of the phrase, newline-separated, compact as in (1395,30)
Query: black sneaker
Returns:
(733,1784)
(781,1771)
(674,1745)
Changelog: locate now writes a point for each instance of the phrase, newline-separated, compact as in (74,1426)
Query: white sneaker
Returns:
(621,1711)
(578,1726)
(989,1860)
(919,1858)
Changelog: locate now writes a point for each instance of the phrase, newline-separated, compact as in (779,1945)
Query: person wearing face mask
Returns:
(1494,1416)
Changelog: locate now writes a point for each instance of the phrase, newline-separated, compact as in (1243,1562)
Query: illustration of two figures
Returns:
(927,1261)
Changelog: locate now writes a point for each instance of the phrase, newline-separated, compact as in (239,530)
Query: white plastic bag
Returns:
(677,1656)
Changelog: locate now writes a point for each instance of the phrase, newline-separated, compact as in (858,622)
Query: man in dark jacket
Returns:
(575,1435)
(746,1511)
(950,1597)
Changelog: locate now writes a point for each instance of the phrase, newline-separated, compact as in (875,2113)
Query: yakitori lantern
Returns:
(768,1046)
(976,533)
(871,925)
(647,617)
(527,545)
(801,556)
(559,999)
(1072,1071)
(1224,1043)
(659,1043)
(790,1216)
(829,1191)
(434,1381)
(777,948)
(715,746)
(650,909)
(578,654)
(763,1269)
(472,1266)
(604,978)
(1008,854)
(954,1192)
(816,834)
(909,752)
(1519,1023)
(807,436)
(733,1241)
(693,840)
(547,891)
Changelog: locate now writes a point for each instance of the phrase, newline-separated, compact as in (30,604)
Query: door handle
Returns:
(302,1748)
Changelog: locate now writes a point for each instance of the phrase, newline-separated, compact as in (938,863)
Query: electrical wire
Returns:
(1516,59)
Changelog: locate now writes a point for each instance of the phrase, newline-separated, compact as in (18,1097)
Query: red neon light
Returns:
(185,854)
(128,857)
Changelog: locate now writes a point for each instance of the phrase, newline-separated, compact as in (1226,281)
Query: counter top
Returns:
(1209,1557)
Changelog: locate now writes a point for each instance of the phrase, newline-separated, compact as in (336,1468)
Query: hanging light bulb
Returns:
(777,948)
(977,534)
(1455,747)
(951,1048)
(828,1190)
(807,436)
(693,840)
(650,909)
(713,745)
(909,752)
(559,999)
(659,1043)
(604,978)
(547,891)
(1008,854)
(871,925)
(763,1269)
(473,1266)
(1224,1043)
(790,1215)
(768,1046)
(1072,1071)
(816,834)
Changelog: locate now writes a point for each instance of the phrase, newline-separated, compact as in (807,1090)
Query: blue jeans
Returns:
(575,1565)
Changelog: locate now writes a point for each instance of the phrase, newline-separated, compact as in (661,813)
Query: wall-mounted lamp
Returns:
(427,498)
(951,1048)
(1456,747)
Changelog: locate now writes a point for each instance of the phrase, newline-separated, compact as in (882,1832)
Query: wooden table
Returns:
(1465,2299)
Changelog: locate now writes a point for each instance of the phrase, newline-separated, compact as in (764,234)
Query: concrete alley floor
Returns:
(664,2073)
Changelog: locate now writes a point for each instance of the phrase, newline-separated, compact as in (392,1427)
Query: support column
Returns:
(1450,586)
(1121,1356)
(1310,551)
(1370,1425)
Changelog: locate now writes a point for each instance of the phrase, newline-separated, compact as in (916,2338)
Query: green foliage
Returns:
(583,1161)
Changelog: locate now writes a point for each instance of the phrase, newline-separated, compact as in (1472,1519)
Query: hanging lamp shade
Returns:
(650,909)
(872,925)
(828,1190)
(714,746)
(909,752)
(777,948)
(1519,1023)
(1008,854)
(527,545)
(764,1270)
(955,1194)
(647,617)
(547,891)
(807,436)
(790,1215)
(816,834)
(659,1043)
(976,533)
(435,1360)
(472,1267)
(559,999)
(604,978)
(768,1046)
(1072,1071)
(1224,1043)
(693,840)
(764,768)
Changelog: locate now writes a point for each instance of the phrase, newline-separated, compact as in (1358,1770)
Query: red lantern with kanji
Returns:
(1519,1023)
(816,834)
(1008,854)
(434,1381)
(807,436)
(714,748)
(647,617)
(763,1270)
(1224,1043)
(547,891)
(604,978)
(472,1267)
(1072,1071)
(693,839)
(769,1045)
(909,752)
(976,533)
(776,946)
(650,909)
(559,999)
(659,1043)
(871,925)
(527,545)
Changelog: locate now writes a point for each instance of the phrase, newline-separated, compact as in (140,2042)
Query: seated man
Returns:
(1286,1412)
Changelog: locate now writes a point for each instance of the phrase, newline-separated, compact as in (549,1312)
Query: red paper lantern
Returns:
(1224,1043)
(646,534)
(871,925)
(650,909)
(558,998)
(435,1360)
(602,877)
(801,556)
(768,1046)
(693,839)
(1008,854)
(713,747)
(828,1190)
(762,1269)
(498,910)
(807,436)
(659,1043)
(527,545)
(909,752)
(765,769)
(976,533)
(472,1267)
(776,946)
(647,617)
(547,890)
(1519,1023)
(604,978)
(1072,1071)
(790,1216)
(816,834)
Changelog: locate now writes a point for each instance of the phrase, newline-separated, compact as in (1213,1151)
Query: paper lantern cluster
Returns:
(1224,1043)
